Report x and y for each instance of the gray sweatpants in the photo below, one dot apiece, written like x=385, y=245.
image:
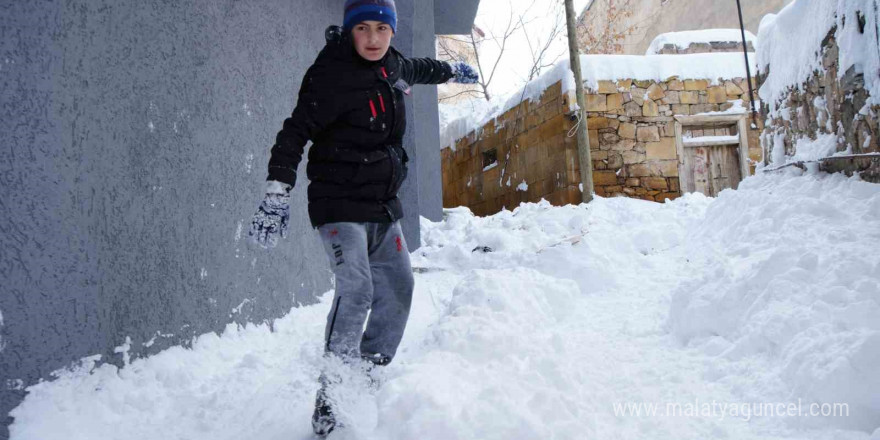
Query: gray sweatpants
x=371, y=265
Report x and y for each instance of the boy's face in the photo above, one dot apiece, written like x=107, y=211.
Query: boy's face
x=371, y=39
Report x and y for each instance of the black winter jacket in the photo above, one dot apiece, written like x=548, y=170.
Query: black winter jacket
x=353, y=111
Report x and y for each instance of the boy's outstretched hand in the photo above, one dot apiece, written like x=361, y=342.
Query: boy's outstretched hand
x=273, y=216
x=464, y=73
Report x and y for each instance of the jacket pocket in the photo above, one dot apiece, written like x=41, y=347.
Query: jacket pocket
x=348, y=165
x=399, y=169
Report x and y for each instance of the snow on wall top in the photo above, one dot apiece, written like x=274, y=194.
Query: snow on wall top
x=791, y=42
x=458, y=121
x=683, y=40
x=711, y=66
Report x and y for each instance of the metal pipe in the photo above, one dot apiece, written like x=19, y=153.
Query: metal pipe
x=800, y=163
x=742, y=28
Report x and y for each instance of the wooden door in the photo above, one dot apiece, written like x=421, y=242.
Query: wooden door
x=697, y=167
x=724, y=168
x=712, y=151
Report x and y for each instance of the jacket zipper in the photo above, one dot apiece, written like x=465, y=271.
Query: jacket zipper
x=393, y=99
x=391, y=154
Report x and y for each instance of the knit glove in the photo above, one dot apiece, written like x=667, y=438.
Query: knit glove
x=273, y=215
x=463, y=73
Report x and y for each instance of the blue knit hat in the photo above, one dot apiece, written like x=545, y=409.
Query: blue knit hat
x=357, y=11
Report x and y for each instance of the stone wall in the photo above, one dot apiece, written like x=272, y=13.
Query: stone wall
x=530, y=144
x=633, y=126
x=632, y=139
x=710, y=47
x=827, y=104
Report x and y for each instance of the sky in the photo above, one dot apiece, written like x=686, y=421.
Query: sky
x=516, y=61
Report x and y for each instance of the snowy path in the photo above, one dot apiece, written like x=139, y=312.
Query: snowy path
x=575, y=310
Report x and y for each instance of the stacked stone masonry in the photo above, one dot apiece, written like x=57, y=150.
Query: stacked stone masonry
x=826, y=104
x=631, y=127
x=710, y=47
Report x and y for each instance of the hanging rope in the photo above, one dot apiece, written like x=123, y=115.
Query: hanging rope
x=574, y=130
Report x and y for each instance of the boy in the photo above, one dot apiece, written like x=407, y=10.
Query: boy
x=351, y=106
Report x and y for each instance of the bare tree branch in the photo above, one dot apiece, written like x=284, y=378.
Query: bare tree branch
x=519, y=24
x=472, y=92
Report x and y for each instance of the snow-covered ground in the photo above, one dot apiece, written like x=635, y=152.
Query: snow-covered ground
x=765, y=295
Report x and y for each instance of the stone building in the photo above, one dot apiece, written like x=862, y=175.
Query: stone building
x=677, y=124
x=646, y=18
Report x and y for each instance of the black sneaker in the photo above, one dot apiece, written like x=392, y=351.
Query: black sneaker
x=373, y=361
x=376, y=359
x=323, y=419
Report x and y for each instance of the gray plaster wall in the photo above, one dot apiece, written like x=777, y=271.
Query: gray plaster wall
x=427, y=127
x=422, y=192
x=134, y=138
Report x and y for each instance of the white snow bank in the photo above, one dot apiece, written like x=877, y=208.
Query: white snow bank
x=485, y=368
x=684, y=39
x=205, y=392
x=793, y=277
x=565, y=318
x=457, y=121
x=806, y=149
x=792, y=39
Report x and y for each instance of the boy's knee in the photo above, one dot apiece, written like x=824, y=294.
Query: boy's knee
x=358, y=292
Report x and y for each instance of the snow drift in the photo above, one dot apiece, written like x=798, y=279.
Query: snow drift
x=788, y=277
x=764, y=294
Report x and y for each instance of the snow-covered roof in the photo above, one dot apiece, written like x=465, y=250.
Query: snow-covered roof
x=683, y=40
x=792, y=39
x=458, y=121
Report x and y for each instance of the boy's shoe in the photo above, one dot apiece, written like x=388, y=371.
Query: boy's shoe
x=323, y=419
x=376, y=359
x=373, y=361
